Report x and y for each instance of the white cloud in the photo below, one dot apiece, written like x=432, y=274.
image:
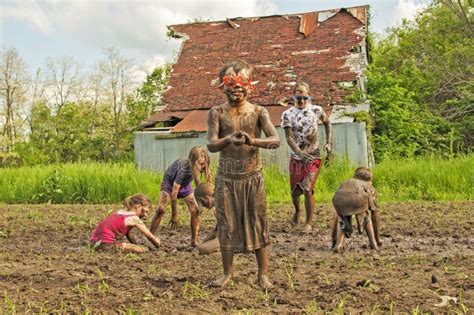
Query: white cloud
x=138, y=26
x=406, y=9
x=139, y=73
x=30, y=12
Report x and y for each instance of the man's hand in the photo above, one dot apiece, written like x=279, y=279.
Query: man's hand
x=328, y=148
x=248, y=139
x=237, y=138
x=305, y=156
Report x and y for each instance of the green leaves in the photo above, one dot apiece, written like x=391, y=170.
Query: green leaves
x=420, y=86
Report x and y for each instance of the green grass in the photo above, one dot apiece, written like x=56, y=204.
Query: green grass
x=96, y=183
x=428, y=178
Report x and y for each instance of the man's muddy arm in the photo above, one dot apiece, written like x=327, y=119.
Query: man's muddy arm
x=328, y=129
x=217, y=145
x=290, y=139
x=271, y=141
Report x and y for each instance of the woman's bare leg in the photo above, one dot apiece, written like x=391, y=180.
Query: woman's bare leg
x=195, y=220
x=160, y=211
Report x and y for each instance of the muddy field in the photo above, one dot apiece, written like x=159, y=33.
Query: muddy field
x=428, y=252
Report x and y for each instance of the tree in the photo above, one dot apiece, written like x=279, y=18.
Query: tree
x=36, y=96
x=64, y=79
x=13, y=88
x=150, y=95
x=118, y=85
x=421, y=84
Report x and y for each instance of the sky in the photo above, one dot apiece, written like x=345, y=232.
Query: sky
x=82, y=29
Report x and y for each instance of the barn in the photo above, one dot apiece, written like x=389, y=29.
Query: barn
x=326, y=49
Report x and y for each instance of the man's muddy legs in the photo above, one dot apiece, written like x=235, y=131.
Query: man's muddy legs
x=295, y=198
x=262, y=260
x=309, y=207
x=195, y=220
x=227, y=262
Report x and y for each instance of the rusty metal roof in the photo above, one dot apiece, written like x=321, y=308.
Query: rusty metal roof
x=358, y=12
x=275, y=113
x=309, y=22
x=279, y=53
x=164, y=116
x=196, y=120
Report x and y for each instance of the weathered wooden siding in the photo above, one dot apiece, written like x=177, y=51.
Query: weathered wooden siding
x=157, y=154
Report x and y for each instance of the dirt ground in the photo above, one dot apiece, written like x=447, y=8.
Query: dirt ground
x=428, y=252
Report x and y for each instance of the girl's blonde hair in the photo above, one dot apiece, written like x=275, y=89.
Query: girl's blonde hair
x=137, y=199
x=194, y=156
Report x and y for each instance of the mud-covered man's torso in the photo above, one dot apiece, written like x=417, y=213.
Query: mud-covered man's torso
x=242, y=158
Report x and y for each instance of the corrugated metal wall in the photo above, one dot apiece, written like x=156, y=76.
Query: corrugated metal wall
x=157, y=154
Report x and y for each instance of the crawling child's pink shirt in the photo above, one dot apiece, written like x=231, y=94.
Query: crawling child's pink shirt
x=114, y=227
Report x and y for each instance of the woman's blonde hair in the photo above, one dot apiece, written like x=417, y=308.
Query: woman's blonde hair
x=194, y=155
x=137, y=199
x=303, y=84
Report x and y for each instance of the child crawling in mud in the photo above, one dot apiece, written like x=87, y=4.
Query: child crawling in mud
x=356, y=197
x=177, y=184
x=109, y=232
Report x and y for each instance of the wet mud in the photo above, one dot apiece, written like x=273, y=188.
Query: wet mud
x=427, y=255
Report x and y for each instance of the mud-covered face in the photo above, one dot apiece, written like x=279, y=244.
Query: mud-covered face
x=208, y=202
x=301, y=96
x=142, y=211
x=237, y=86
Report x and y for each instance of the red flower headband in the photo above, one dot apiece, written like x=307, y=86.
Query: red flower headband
x=230, y=80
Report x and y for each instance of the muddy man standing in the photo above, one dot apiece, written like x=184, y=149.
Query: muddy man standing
x=301, y=131
x=234, y=130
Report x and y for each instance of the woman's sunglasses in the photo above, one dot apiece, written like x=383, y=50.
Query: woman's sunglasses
x=300, y=97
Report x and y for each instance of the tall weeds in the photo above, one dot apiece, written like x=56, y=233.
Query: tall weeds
x=428, y=178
